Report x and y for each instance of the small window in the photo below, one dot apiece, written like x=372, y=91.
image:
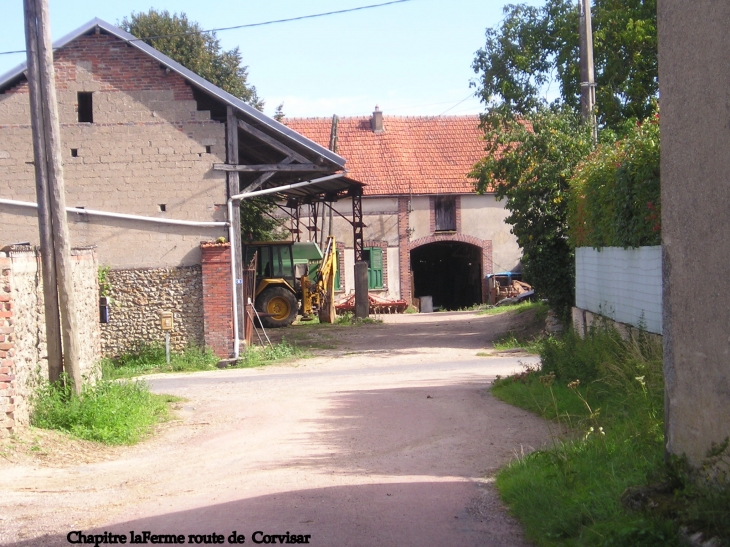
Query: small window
x=86, y=107
x=374, y=257
x=445, y=213
x=208, y=149
x=74, y=152
x=163, y=207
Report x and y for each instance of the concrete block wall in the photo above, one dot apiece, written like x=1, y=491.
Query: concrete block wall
x=622, y=284
x=23, y=353
x=139, y=296
x=217, y=298
x=148, y=149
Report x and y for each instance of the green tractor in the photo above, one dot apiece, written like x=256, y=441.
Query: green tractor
x=293, y=278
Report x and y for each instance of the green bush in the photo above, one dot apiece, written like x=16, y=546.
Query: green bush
x=614, y=198
x=107, y=412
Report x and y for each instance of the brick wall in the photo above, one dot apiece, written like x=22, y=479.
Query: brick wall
x=23, y=361
x=7, y=349
x=404, y=251
x=149, y=146
x=217, y=299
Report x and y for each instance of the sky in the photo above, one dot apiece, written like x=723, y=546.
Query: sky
x=411, y=58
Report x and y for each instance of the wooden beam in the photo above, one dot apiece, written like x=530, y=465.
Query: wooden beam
x=266, y=176
x=233, y=189
x=271, y=141
x=274, y=167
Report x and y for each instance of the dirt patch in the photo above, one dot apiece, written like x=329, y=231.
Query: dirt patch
x=462, y=332
x=43, y=448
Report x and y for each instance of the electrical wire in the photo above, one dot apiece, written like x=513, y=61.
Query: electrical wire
x=250, y=25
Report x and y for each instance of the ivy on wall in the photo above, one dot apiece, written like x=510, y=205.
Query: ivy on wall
x=614, y=196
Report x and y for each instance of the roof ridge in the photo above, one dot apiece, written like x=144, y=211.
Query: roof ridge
x=189, y=75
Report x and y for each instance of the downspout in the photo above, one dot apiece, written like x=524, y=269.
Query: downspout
x=248, y=195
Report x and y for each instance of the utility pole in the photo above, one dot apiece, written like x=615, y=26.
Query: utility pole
x=587, y=76
x=48, y=264
x=50, y=190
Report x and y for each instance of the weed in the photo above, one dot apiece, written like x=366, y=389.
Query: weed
x=150, y=359
x=511, y=341
x=256, y=356
x=105, y=286
x=107, y=412
x=411, y=309
x=348, y=318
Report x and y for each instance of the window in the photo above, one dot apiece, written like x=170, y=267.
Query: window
x=86, y=107
x=445, y=213
x=374, y=257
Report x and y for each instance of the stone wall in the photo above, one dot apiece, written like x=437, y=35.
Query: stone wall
x=137, y=297
x=23, y=352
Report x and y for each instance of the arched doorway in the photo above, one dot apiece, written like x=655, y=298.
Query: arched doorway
x=448, y=271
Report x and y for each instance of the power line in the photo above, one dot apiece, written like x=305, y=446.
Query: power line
x=250, y=25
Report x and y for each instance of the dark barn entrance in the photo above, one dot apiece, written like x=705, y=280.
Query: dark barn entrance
x=450, y=272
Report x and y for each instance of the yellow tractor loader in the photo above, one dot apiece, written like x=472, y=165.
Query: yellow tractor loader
x=291, y=278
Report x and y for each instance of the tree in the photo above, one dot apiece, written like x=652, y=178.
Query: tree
x=258, y=222
x=279, y=114
x=185, y=42
x=534, y=47
x=533, y=147
x=532, y=162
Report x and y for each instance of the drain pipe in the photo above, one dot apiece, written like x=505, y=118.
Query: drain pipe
x=234, y=279
x=94, y=212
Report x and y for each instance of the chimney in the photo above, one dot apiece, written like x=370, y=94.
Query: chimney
x=376, y=121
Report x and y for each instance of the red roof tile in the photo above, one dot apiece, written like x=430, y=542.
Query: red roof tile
x=419, y=155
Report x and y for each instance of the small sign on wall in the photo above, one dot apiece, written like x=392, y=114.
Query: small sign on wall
x=166, y=322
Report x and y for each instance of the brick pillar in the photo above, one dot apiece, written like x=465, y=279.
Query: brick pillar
x=7, y=350
x=404, y=253
x=217, y=299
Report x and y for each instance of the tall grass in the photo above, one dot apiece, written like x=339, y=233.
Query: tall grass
x=603, y=480
x=107, y=412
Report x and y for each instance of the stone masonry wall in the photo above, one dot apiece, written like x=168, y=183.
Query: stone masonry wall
x=136, y=299
x=149, y=152
x=23, y=352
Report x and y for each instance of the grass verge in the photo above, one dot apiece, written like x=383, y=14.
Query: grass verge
x=541, y=307
x=603, y=480
x=258, y=356
x=107, y=412
x=150, y=359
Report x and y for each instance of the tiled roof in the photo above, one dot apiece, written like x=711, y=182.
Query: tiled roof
x=419, y=155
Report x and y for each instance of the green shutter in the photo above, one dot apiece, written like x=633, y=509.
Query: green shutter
x=375, y=271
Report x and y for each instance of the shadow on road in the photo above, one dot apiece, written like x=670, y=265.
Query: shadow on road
x=395, y=514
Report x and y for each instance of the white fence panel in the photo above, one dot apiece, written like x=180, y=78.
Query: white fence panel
x=622, y=284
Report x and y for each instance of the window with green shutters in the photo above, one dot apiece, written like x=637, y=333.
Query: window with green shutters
x=374, y=257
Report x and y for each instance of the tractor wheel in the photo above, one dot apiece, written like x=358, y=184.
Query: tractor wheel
x=280, y=303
